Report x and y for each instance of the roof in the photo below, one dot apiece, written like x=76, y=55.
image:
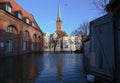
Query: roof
x=17, y=7
x=59, y=15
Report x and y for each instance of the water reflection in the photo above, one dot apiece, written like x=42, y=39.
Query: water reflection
x=42, y=68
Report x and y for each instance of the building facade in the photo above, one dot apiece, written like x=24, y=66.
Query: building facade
x=72, y=43
x=19, y=32
x=103, y=49
x=114, y=8
x=46, y=40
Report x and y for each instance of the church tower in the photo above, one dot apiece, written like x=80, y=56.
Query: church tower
x=58, y=22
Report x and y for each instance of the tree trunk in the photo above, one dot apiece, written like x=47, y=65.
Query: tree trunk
x=55, y=47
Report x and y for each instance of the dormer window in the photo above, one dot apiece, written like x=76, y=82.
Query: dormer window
x=19, y=14
x=33, y=24
x=27, y=20
x=8, y=7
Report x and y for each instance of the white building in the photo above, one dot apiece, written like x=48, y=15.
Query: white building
x=71, y=43
x=46, y=40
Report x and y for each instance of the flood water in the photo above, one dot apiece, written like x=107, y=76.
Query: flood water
x=43, y=68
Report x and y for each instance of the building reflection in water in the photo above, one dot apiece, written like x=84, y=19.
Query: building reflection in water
x=42, y=68
x=60, y=67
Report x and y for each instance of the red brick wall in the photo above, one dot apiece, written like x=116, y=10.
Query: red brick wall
x=6, y=20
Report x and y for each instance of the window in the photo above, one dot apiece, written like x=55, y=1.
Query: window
x=33, y=24
x=34, y=37
x=10, y=29
x=1, y=44
x=27, y=20
x=26, y=35
x=32, y=46
x=24, y=45
x=19, y=15
x=40, y=38
x=9, y=46
x=8, y=7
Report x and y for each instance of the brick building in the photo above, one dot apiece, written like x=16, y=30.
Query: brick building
x=19, y=32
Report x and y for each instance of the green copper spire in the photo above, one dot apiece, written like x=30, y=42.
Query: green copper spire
x=59, y=15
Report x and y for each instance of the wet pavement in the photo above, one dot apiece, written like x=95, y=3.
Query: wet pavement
x=43, y=68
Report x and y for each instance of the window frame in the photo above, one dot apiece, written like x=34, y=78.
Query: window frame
x=10, y=29
x=9, y=46
x=1, y=44
x=19, y=15
x=27, y=20
x=24, y=45
x=8, y=7
x=33, y=23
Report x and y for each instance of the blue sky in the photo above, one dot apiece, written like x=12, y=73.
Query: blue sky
x=73, y=13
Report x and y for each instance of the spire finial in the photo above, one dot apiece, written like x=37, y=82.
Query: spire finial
x=59, y=14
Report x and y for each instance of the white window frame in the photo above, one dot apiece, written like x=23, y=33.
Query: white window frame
x=8, y=8
x=10, y=29
x=19, y=15
x=27, y=20
x=33, y=24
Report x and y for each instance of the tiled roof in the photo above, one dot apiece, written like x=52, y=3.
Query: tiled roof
x=17, y=7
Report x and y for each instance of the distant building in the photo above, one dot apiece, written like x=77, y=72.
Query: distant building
x=46, y=40
x=19, y=32
x=72, y=43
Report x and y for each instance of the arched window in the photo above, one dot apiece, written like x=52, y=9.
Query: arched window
x=9, y=46
x=35, y=37
x=39, y=38
x=26, y=35
x=11, y=29
x=34, y=44
x=26, y=38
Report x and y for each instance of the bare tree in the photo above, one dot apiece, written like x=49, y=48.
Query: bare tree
x=54, y=40
x=83, y=29
x=100, y=5
x=57, y=38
